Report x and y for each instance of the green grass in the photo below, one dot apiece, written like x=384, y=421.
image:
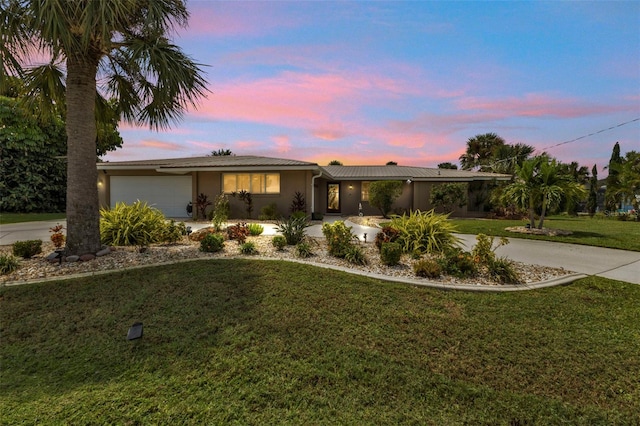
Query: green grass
x=595, y=231
x=7, y=218
x=260, y=342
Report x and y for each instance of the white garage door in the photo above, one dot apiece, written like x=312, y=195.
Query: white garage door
x=169, y=194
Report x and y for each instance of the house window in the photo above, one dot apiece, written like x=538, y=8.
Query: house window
x=364, y=191
x=255, y=183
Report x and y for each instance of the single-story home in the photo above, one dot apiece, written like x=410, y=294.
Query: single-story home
x=171, y=184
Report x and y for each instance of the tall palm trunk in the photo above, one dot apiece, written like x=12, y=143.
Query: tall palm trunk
x=83, y=216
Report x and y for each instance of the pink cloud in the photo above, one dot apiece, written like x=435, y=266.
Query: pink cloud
x=223, y=19
x=283, y=143
x=536, y=105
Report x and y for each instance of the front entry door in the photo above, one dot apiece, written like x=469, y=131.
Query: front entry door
x=333, y=198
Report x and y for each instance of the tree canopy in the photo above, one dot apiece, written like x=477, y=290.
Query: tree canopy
x=539, y=183
x=122, y=44
x=383, y=193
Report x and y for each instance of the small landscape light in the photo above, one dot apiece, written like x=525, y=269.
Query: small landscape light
x=135, y=331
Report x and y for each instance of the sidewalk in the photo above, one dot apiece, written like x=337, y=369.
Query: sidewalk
x=608, y=263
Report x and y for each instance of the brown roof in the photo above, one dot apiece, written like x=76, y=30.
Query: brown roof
x=214, y=162
x=250, y=162
x=406, y=172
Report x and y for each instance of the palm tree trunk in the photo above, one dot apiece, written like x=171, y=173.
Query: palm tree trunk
x=543, y=212
x=532, y=214
x=83, y=215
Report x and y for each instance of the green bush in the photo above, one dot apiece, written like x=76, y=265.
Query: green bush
x=220, y=212
x=304, y=250
x=279, y=242
x=8, y=264
x=355, y=255
x=136, y=224
x=339, y=238
x=383, y=193
x=248, y=248
x=255, y=229
x=293, y=229
x=424, y=232
x=27, y=249
x=484, y=252
x=269, y=212
x=502, y=270
x=457, y=262
x=427, y=268
x=212, y=243
x=173, y=231
x=390, y=253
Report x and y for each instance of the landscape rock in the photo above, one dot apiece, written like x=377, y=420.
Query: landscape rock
x=87, y=257
x=72, y=259
x=103, y=252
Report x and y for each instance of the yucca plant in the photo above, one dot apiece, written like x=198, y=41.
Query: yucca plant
x=135, y=224
x=424, y=232
x=8, y=264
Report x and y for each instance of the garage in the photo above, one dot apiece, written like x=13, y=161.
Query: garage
x=169, y=194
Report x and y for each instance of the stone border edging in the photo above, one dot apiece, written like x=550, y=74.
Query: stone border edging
x=564, y=280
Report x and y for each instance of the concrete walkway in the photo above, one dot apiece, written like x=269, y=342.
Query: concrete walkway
x=609, y=263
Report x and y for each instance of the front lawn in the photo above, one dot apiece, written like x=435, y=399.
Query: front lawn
x=597, y=231
x=270, y=342
x=7, y=218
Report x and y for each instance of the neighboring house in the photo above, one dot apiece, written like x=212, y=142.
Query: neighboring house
x=171, y=184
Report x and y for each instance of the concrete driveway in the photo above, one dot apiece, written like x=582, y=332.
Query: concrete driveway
x=609, y=263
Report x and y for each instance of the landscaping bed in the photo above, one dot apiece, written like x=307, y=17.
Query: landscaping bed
x=38, y=268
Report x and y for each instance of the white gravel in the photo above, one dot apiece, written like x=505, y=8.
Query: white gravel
x=38, y=268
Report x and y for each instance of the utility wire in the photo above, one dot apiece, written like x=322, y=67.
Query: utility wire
x=496, y=162
x=592, y=134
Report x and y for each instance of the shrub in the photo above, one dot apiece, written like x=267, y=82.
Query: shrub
x=279, y=242
x=220, y=212
x=247, y=199
x=57, y=237
x=269, y=212
x=202, y=202
x=200, y=234
x=383, y=193
x=502, y=270
x=255, y=229
x=298, y=204
x=27, y=249
x=427, y=268
x=238, y=232
x=390, y=253
x=298, y=214
x=304, y=250
x=136, y=224
x=293, y=229
x=457, y=262
x=424, y=232
x=339, y=238
x=212, y=243
x=173, y=231
x=8, y=264
x=484, y=252
x=248, y=248
x=355, y=255
x=387, y=234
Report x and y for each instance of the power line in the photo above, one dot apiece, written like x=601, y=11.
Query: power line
x=592, y=134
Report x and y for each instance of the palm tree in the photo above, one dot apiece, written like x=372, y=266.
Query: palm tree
x=480, y=151
x=124, y=45
x=507, y=157
x=628, y=179
x=539, y=184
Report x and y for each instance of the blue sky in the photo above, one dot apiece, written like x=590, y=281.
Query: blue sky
x=371, y=82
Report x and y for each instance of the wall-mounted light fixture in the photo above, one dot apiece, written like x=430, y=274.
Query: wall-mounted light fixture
x=408, y=180
x=350, y=186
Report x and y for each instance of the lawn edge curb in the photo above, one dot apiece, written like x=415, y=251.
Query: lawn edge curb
x=564, y=280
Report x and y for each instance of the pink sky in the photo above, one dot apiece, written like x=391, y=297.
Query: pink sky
x=367, y=83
